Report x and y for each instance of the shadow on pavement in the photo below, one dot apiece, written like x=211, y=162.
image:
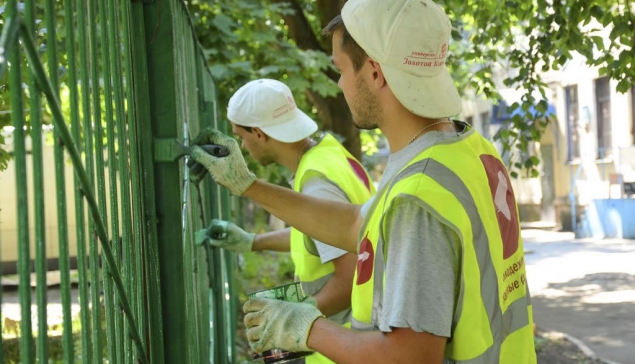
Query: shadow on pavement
x=598, y=309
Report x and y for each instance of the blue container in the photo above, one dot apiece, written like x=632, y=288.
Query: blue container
x=613, y=218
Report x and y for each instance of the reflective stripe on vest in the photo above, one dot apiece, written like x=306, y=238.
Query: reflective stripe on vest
x=517, y=316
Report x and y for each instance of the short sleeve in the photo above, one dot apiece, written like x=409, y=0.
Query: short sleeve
x=422, y=270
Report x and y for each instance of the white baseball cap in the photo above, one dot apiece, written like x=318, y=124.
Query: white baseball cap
x=269, y=105
x=409, y=39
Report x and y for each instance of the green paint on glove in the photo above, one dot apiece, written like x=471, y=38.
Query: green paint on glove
x=230, y=171
x=226, y=235
x=310, y=300
x=200, y=237
x=273, y=324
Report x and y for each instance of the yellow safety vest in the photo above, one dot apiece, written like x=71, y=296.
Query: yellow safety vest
x=465, y=184
x=332, y=161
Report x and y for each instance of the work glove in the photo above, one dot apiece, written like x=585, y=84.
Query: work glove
x=273, y=324
x=226, y=235
x=310, y=300
x=230, y=171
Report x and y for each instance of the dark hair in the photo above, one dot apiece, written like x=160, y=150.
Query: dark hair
x=248, y=128
x=357, y=55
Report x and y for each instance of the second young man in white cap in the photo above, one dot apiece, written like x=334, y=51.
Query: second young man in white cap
x=273, y=129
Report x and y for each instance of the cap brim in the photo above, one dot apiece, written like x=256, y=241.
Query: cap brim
x=300, y=127
x=431, y=97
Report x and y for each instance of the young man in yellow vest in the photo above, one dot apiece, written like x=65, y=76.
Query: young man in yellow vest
x=264, y=116
x=440, y=273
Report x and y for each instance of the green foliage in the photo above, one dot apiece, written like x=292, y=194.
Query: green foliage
x=533, y=37
x=245, y=40
x=261, y=270
x=5, y=92
x=249, y=39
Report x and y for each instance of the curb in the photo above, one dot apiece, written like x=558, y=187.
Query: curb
x=584, y=348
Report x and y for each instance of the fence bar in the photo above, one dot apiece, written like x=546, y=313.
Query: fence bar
x=137, y=215
x=100, y=230
x=38, y=195
x=64, y=254
x=95, y=284
x=128, y=258
x=122, y=166
x=184, y=81
x=7, y=39
x=150, y=318
x=112, y=174
x=86, y=123
x=24, y=257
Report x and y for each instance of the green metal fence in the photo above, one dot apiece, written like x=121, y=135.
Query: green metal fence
x=122, y=81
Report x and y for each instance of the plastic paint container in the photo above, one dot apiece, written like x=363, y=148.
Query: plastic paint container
x=290, y=293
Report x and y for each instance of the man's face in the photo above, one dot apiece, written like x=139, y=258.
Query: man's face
x=254, y=144
x=363, y=103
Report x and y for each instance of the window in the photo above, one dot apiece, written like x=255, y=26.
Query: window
x=573, y=122
x=604, y=129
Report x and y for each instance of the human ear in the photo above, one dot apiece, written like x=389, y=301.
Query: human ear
x=260, y=134
x=377, y=74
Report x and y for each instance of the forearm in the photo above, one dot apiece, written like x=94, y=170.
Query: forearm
x=335, y=296
x=344, y=346
x=278, y=240
x=333, y=223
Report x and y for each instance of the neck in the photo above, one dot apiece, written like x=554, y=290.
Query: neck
x=290, y=154
x=403, y=126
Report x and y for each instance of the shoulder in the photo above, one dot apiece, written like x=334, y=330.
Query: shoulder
x=318, y=185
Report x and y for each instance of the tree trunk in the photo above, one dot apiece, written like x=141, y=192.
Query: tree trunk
x=336, y=117
x=333, y=111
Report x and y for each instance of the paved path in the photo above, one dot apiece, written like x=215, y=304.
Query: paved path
x=585, y=288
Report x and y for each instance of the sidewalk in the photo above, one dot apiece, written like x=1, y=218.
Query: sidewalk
x=585, y=288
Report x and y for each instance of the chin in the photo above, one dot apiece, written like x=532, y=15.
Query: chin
x=365, y=126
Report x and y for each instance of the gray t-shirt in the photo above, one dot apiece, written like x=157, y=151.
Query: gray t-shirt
x=320, y=187
x=423, y=257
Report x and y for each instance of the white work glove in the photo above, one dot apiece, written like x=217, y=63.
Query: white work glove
x=226, y=235
x=273, y=324
x=230, y=171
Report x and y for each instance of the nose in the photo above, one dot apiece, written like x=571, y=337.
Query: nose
x=339, y=82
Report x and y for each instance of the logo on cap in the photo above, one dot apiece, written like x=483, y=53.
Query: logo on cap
x=427, y=59
x=284, y=109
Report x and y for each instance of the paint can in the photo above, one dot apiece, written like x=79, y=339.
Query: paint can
x=291, y=292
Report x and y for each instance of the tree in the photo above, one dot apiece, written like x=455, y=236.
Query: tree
x=248, y=39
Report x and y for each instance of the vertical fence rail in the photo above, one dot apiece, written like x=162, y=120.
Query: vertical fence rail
x=124, y=240
x=38, y=193
x=86, y=142
x=98, y=134
x=122, y=81
x=63, y=243
x=24, y=255
x=109, y=298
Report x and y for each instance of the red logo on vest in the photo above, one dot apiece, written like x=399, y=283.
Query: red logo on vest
x=365, y=261
x=504, y=202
